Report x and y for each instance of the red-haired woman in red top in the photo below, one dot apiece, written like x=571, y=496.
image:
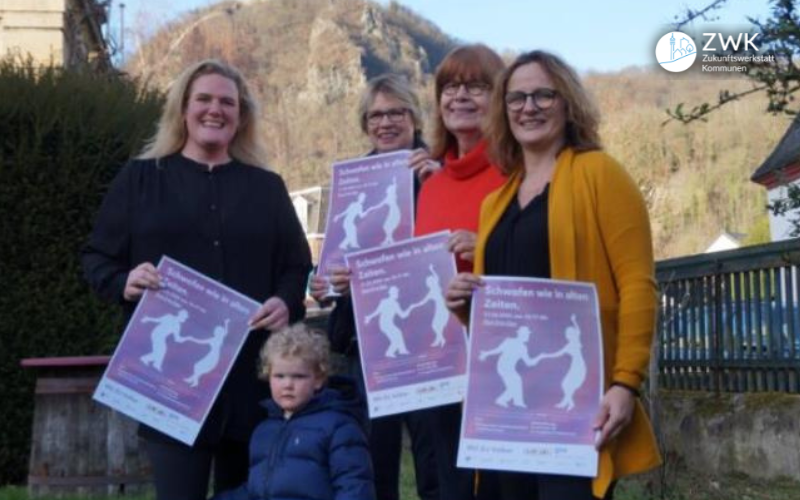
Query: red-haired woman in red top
x=450, y=199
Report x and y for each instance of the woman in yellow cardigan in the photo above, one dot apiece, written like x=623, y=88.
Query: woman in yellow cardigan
x=569, y=211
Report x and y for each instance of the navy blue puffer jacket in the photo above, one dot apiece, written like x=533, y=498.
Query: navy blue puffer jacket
x=319, y=453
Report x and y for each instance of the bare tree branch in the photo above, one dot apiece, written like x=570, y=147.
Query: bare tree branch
x=700, y=112
x=777, y=75
x=691, y=15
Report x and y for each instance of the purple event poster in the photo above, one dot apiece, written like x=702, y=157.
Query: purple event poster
x=535, y=377
x=371, y=205
x=413, y=351
x=176, y=352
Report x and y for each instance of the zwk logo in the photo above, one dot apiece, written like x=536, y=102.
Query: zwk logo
x=749, y=42
x=676, y=52
x=726, y=51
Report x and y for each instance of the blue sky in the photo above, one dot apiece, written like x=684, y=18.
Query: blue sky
x=591, y=35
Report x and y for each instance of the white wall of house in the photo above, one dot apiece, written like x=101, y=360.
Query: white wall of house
x=301, y=208
x=33, y=27
x=780, y=227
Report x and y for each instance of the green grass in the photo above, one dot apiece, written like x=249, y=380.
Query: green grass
x=408, y=488
x=21, y=493
x=682, y=485
x=13, y=493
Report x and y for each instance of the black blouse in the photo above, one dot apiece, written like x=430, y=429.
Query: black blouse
x=519, y=244
x=234, y=223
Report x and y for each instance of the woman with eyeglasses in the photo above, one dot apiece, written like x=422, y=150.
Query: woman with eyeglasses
x=569, y=211
x=390, y=117
x=450, y=200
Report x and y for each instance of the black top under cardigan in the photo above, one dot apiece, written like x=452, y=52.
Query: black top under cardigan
x=235, y=223
x=519, y=244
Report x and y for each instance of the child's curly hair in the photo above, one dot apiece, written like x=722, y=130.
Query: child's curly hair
x=297, y=341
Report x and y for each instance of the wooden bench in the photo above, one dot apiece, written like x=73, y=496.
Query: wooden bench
x=79, y=447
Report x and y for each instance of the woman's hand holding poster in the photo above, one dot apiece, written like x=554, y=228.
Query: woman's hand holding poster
x=535, y=377
x=176, y=352
x=413, y=351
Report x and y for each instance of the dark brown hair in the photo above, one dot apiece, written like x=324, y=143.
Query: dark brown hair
x=582, y=121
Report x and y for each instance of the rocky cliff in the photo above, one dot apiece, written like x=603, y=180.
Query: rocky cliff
x=308, y=63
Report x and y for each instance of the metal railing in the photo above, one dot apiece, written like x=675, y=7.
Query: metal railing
x=730, y=321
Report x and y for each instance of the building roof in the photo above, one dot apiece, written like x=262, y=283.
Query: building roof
x=786, y=155
x=726, y=241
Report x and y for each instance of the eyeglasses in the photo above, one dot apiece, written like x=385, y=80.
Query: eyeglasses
x=395, y=115
x=542, y=99
x=474, y=87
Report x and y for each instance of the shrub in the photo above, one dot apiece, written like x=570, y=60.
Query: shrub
x=63, y=136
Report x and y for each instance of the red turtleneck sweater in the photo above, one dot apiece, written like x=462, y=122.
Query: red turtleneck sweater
x=451, y=198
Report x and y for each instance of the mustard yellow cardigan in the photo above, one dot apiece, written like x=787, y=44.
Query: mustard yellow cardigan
x=600, y=232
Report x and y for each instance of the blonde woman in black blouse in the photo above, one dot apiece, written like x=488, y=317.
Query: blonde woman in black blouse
x=202, y=194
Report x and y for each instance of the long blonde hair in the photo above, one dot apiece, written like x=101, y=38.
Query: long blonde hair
x=247, y=145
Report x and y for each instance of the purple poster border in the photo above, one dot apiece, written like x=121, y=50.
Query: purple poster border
x=413, y=351
x=370, y=204
x=176, y=351
x=535, y=377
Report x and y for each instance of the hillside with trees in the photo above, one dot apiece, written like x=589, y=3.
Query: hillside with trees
x=309, y=61
x=695, y=177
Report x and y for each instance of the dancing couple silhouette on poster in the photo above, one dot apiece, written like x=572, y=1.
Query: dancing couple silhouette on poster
x=389, y=309
x=515, y=349
x=169, y=327
x=356, y=211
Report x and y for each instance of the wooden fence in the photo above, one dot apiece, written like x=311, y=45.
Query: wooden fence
x=730, y=321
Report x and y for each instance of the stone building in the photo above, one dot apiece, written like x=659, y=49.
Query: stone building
x=66, y=33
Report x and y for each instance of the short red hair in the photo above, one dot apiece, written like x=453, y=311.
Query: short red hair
x=475, y=62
